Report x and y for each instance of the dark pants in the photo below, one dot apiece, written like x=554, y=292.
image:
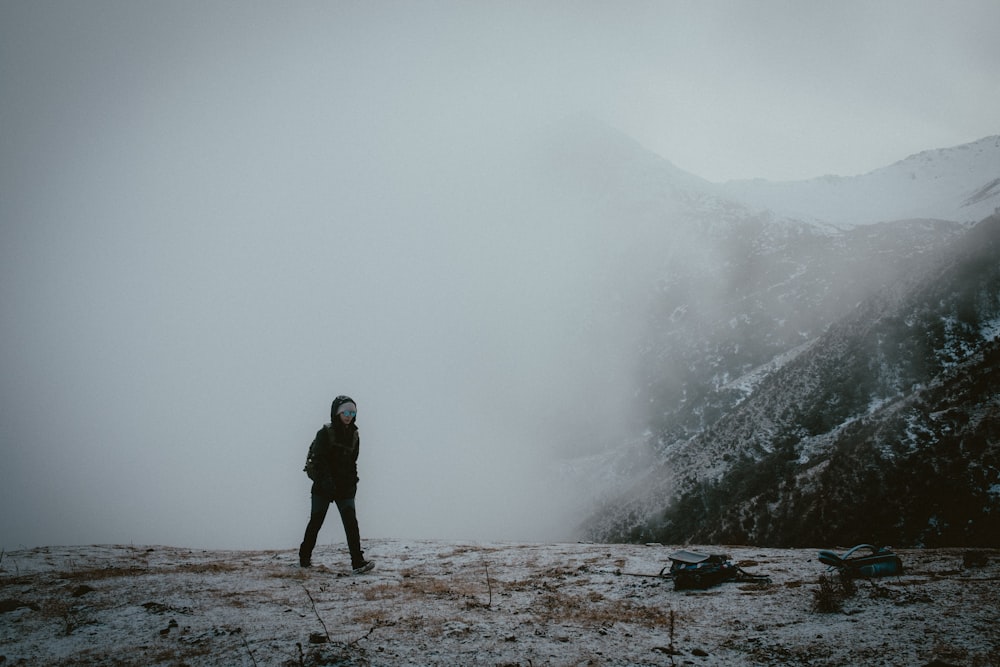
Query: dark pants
x=348, y=515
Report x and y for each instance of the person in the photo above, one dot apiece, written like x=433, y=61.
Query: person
x=332, y=465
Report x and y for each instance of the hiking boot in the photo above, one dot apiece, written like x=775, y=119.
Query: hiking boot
x=364, y=567
x=305, y=559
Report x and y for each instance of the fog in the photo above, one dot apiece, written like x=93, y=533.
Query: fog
x=216, y=217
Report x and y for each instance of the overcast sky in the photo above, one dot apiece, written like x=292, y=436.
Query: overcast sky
x=216, y=216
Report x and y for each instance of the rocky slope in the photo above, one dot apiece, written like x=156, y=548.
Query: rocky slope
x=796, y=369
x=883, y=428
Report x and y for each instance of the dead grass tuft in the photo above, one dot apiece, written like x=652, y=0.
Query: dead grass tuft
x=117, y=572
x=596, y=610
x=382, y=591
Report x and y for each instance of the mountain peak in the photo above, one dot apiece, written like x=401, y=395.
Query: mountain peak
x=585, y=141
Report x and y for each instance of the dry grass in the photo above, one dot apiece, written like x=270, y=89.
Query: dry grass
x=593, y=610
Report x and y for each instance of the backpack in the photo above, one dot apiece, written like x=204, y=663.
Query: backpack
x=881, y=562
x=311, y=468
x=692, y=570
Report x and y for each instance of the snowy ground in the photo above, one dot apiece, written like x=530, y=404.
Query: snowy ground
x=448, y=603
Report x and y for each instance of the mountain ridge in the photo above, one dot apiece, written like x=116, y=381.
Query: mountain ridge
x=958, y=183
x=752, y=411
x=899, y=351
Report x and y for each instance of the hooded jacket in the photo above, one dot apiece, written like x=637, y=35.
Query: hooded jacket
x=332, y=463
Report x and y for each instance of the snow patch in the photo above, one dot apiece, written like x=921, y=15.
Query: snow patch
x=990, y=329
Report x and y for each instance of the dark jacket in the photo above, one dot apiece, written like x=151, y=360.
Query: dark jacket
x=333, y=462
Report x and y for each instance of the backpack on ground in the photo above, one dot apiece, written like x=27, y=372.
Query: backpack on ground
x=880, y=562
x=693, y=570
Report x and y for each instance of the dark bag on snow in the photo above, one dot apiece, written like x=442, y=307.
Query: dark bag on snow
x=881, y=562
x=692, y=570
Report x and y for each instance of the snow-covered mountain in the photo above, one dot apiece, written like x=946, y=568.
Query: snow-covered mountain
x=884, y=428
x=961, y=183
x=787, y=330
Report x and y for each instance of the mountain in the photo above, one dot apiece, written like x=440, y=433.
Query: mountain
x=961, y=183
x=804, y=378
x=886, y=428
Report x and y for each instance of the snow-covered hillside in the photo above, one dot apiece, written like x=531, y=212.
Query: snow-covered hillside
x=960, y=184
x=729, y=280
x=635, y=187
x=904, y=381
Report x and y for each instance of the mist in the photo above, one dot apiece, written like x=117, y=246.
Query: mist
x=255, y=222
x=217, y=217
